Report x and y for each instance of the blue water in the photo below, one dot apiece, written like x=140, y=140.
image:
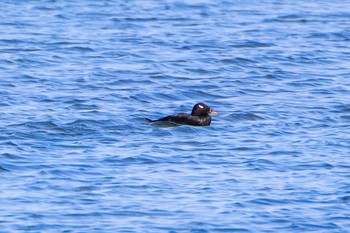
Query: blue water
x=78, y=77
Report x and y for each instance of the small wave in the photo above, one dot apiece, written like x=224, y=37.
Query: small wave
x=312, y=166
x=245, y=116
x=81, y=106
x=238, y=61
x=269, y=201
x=252, y=44
x=81, y=49
x=342, y=108
x=2, y=169
x=149, y=19
x=84, y=127
x=12, y=156
x=292, y=18
x=140, y=159
x=38, y=125
x=343, y=36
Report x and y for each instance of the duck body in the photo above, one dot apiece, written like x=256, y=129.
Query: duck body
x=198, y=117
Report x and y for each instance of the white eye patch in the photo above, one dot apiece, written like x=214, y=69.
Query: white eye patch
x=200, y=106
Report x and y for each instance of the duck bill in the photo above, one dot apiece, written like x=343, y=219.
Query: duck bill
x=212, y=111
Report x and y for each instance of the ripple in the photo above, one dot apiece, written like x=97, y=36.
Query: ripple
x=293, y=18
x=80, y=49
x=2, y=169
x=253, y=44
x=245, y=116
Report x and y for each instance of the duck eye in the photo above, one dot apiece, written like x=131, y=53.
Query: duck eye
x=200, y=106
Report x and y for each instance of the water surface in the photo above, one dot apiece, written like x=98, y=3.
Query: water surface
x=77, y=79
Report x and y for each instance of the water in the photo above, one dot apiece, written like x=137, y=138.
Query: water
x=78, y=77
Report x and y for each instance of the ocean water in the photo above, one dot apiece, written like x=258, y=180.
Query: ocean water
x=77, y=79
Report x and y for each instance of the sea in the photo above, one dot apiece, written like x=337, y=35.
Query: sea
x=79, y=77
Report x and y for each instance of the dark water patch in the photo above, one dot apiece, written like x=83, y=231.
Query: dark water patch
x=345, y=118
x=268, y=201
x=141, y=159
x=323, y=226
x=80, y=49
x=238, y=61
x=37, y=126
x=343, y=36
x=84, y=106
x=59, y=173
x=244, y=149
x=292, y=18
x=201, y=71
x=151, y=19
x=2, y=169
x=341, y=108
x=261, y=164
x=312, y=166
x=345, y=199
x=9, y=156
x=4, y=104
x=252, y=44
x=8, y=143
x=295, y=153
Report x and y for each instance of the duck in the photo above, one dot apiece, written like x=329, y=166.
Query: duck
x=198, y=117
